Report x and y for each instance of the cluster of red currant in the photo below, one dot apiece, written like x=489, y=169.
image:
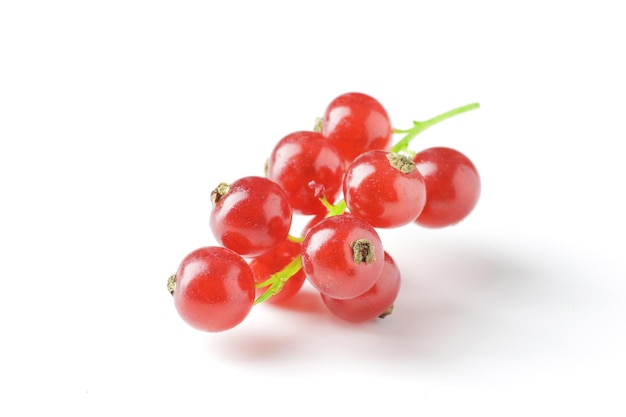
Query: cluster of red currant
x=345, y=175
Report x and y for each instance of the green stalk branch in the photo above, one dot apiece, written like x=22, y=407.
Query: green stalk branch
x=277, y=281
x=419, y=127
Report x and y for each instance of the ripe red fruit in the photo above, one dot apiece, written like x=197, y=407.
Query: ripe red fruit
x=251, y=216
x=452, y=186
x=302, y=157
x=375, y=302
x=384, y=188
x=214, y=289
x=356, y=123
x=342, y=256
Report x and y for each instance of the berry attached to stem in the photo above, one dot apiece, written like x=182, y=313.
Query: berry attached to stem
x=349, y=155
x=277, y=281
x=363, y=253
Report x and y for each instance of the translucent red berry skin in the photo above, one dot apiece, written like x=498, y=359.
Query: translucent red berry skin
x=328, y=258
x=253, y=217
x=374, y=302
x=382, y=194
x=312, y=222
x=268, y=264
x=356, y=123
x=452, y=186
x=302, y=157
x=214, y=289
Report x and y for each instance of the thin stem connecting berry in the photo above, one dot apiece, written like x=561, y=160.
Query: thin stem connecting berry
x=419, y=127
x=333, y=210
x=277, y=281
x=295, y=239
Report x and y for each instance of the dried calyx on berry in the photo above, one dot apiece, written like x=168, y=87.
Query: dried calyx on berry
x=401, y=162
x=219, y=192
x=363, y=251
x=346, y=174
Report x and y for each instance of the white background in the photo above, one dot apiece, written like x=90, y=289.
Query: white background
x=118, y=118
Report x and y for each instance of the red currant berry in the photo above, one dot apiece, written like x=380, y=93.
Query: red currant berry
x=251, y=216
x=213, y=289
x=384, y=188
x=298, y=159
x=342, y=256
x=264, y=266
x=356, y=123
x=312, y=222
x=452, y=186
x=376, y=302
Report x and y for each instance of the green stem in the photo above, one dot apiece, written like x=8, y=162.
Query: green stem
x=295, y=239
x=277, y=281
x=333, y=210
x=419, y=127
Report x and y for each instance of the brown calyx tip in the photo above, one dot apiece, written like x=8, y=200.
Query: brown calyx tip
x=386, y=312
x=318, y=126
x=401, y=162
x=171, y=284
x=363, y=251
x=219, y=192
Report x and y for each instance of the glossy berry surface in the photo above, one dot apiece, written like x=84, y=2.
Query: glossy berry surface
x=452, y=186
x=214, y=289
x=348, y=178
x=384, y=188
x=302, y=157
x=356, y=123
x=251, y=216
x=342, y=256
x=265, y=265
x=374, y=302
